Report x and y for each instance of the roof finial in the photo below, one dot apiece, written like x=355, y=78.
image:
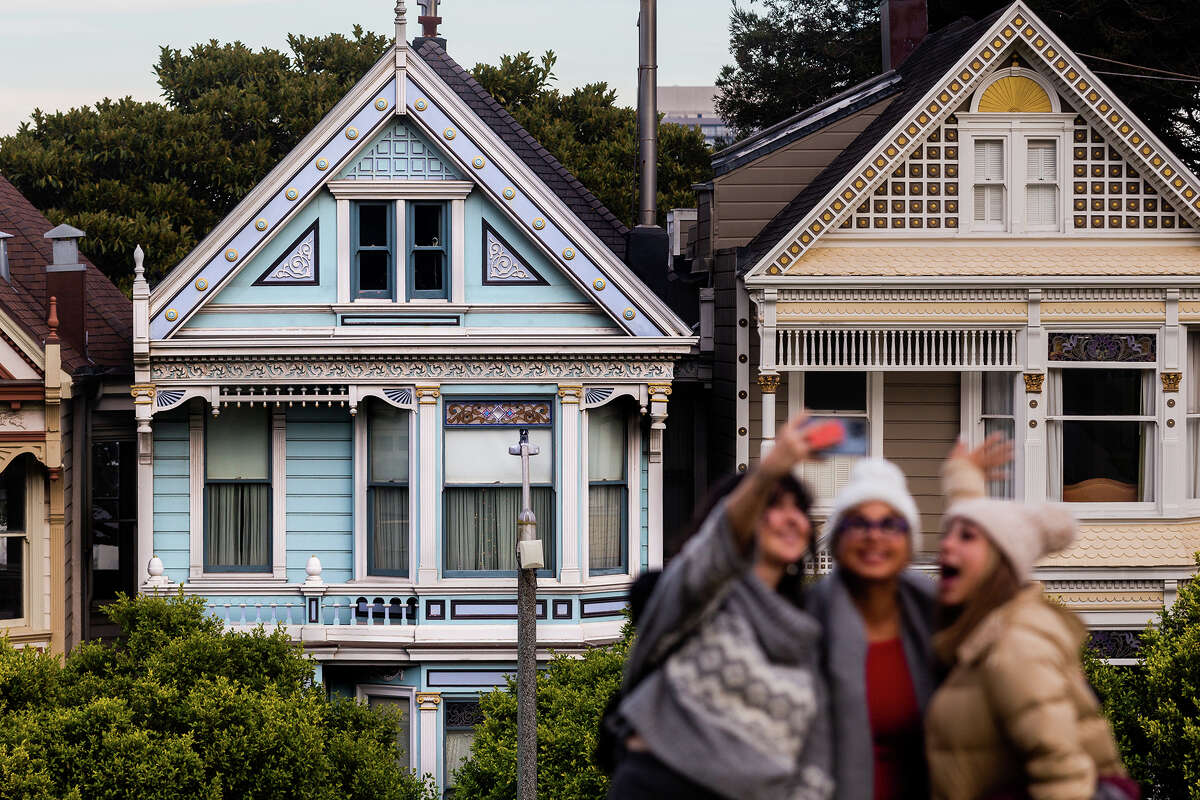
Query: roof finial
x=429, y=19
x=401, y=24
x=139, y=270
x=52, y=320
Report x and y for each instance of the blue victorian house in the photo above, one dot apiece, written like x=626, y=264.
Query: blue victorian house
x=327, y=387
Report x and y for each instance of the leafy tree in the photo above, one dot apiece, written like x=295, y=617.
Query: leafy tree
x=571, y=696
x=1154, y=707
x=180, y=709
x=798, y=52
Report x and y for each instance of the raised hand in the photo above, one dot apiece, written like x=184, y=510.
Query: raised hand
x=992, y=458
x=791, y=447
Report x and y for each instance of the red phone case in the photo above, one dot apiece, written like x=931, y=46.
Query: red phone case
x=825, y=434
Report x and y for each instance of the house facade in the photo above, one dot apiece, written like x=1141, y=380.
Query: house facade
x=67, y=495
x=984, y=239
x=327, y=388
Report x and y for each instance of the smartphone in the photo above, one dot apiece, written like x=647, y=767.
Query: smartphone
x=825, y=435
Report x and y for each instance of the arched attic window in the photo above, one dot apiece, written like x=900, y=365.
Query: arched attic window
x=1017, y=91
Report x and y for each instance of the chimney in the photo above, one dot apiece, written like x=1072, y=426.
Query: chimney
x=647, y=244
x=905, y=24
x=429, y=20
x=65, y=277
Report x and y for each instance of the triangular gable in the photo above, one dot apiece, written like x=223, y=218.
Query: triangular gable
x=1173, y=181
x=474, y=150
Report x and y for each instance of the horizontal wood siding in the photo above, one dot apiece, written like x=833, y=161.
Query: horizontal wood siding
x=920, y=425
x=747, y=198
x=172, y=505
x=320, y=492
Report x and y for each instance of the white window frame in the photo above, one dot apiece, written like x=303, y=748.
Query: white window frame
x=1055, y=181
x=1015, y=130
x=397, y=193
x=1101, y=511
x=633, y=512
x=973, y=429
x=873, y=415
x=34, y=538
x=278, y=455
x=361, y=468
x=364, y=691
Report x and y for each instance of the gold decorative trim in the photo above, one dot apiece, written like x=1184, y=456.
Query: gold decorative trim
x=599, y=284
x=146, y=390
x=381, y=104
x=171, y=315
x=1015, y=94
x=261, y=224
x=660, y=388
x=1170, y=381
x=351, y=133
x=1033, y=382
x=201, y=284
x=231, y=255
x=420, y=105
x=570, y=393
x=768, y=384
x=428, y=701
x=427, y=394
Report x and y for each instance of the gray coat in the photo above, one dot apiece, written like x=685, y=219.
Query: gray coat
x=739, y=705
x=845, y=663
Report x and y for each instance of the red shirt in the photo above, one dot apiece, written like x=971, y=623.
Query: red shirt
x=895, y=723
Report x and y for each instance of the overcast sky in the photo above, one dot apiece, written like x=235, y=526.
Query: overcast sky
x=55, y=54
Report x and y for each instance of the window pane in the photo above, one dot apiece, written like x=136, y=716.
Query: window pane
x=237, y=445
x=373, y=268
x=997, y=393
x=12, y=577
x=989, y=204
x=989, y=160
x=237, y=525
x=1002, y=487
x=1041, y=163
x=1041, y=205
x=481, y=526
x=606, y=443
x=427, y=225
x=372, y=225
x=389, y=530
x=1103, y=462
x=480, y=455
x=427, y=270
x=399, y=708
x=458, y=750
x=606, y=517
x=1102, y=392
x=835, y=391
x=12, y=497
x=388, y=445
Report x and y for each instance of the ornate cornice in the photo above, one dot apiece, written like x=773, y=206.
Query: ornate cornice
x=366, y=369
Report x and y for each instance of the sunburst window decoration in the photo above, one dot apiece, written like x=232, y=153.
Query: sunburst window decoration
x=1015, y=94
x=919, y=194
x=1108, y=193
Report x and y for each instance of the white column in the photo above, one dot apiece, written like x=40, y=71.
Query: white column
x=768, y=378
x=1172, y=410
x=427, y=483
x=143, y=408
x=278, y=493
x=569, y=399
x=659, y=393
x=1034, y=438
x=427, y=726
x=768, y=384
x=196, y=490
x=343, y=251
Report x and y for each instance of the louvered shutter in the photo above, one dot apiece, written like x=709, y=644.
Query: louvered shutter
x=989, y=181
x=1041, y=189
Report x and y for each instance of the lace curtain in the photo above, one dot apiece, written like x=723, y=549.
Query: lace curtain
x=481, y=525
x=238, y=526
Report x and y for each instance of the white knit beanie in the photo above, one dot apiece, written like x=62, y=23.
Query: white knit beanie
x=1022, y=533
x=872, y=479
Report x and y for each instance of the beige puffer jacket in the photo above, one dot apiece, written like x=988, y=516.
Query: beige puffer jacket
x=1016, y=710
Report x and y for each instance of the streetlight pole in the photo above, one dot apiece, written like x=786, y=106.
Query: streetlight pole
x=529, y=560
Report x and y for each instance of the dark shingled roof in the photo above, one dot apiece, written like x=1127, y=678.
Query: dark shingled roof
x=924, y=68
x=566, y=186
x=109, y=322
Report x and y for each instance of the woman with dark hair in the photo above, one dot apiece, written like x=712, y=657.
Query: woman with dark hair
x=1015, y=717
x=722, y=695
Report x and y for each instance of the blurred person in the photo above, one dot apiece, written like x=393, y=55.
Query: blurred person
x=1015, y=717
x=722, y=695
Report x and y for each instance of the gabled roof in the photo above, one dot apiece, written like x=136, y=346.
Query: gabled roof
x=946, y=70
x=918, y=74
x=109, y=323
x=590, y=211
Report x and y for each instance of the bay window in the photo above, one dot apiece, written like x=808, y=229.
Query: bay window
x=481, y=495
x=1102, y=418
x=237, y=491
x=608, y=489
x=12, y=541
x=387, y=490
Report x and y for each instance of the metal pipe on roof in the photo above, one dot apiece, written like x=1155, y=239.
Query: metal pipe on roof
x=647, y=113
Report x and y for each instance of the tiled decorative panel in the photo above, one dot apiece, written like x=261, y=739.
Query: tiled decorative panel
x=400, y=153
x=1104, y=347
x=922, y=193
x=489, y=412
x=1108, y=193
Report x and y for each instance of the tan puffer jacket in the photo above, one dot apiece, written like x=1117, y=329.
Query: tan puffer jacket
x=1016, y=710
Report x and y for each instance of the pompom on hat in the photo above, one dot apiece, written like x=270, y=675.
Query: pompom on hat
x=871, y=480
x=1022, y=533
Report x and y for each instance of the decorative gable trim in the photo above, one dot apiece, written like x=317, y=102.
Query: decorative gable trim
x=399, y=153
x=1074, y=80
x=502, y=265
x=300, y=263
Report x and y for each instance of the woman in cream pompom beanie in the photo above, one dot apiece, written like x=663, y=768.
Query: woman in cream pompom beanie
x=1015, y=716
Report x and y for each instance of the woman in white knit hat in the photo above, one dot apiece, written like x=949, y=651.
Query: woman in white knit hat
x=878, y=618
x=1015, y=717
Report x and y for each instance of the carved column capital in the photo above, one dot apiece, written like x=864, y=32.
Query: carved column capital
x=143, y=392
x=768, y=383
x=1170, y=381
x=663, y=389
x=1033, y=382
x=570, y=393
x=428, y=394
x=428, y=701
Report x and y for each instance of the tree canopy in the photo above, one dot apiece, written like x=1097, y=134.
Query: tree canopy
x=163, y=174
x=179, y=709
x=794, y=53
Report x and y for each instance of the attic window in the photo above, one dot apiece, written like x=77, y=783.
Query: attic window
x=4, y=272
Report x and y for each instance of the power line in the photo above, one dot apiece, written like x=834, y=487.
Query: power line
x=1141, y=67
x=1146, y=77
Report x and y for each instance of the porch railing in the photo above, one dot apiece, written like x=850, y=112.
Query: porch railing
x=897, y=349
x=345, y=611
